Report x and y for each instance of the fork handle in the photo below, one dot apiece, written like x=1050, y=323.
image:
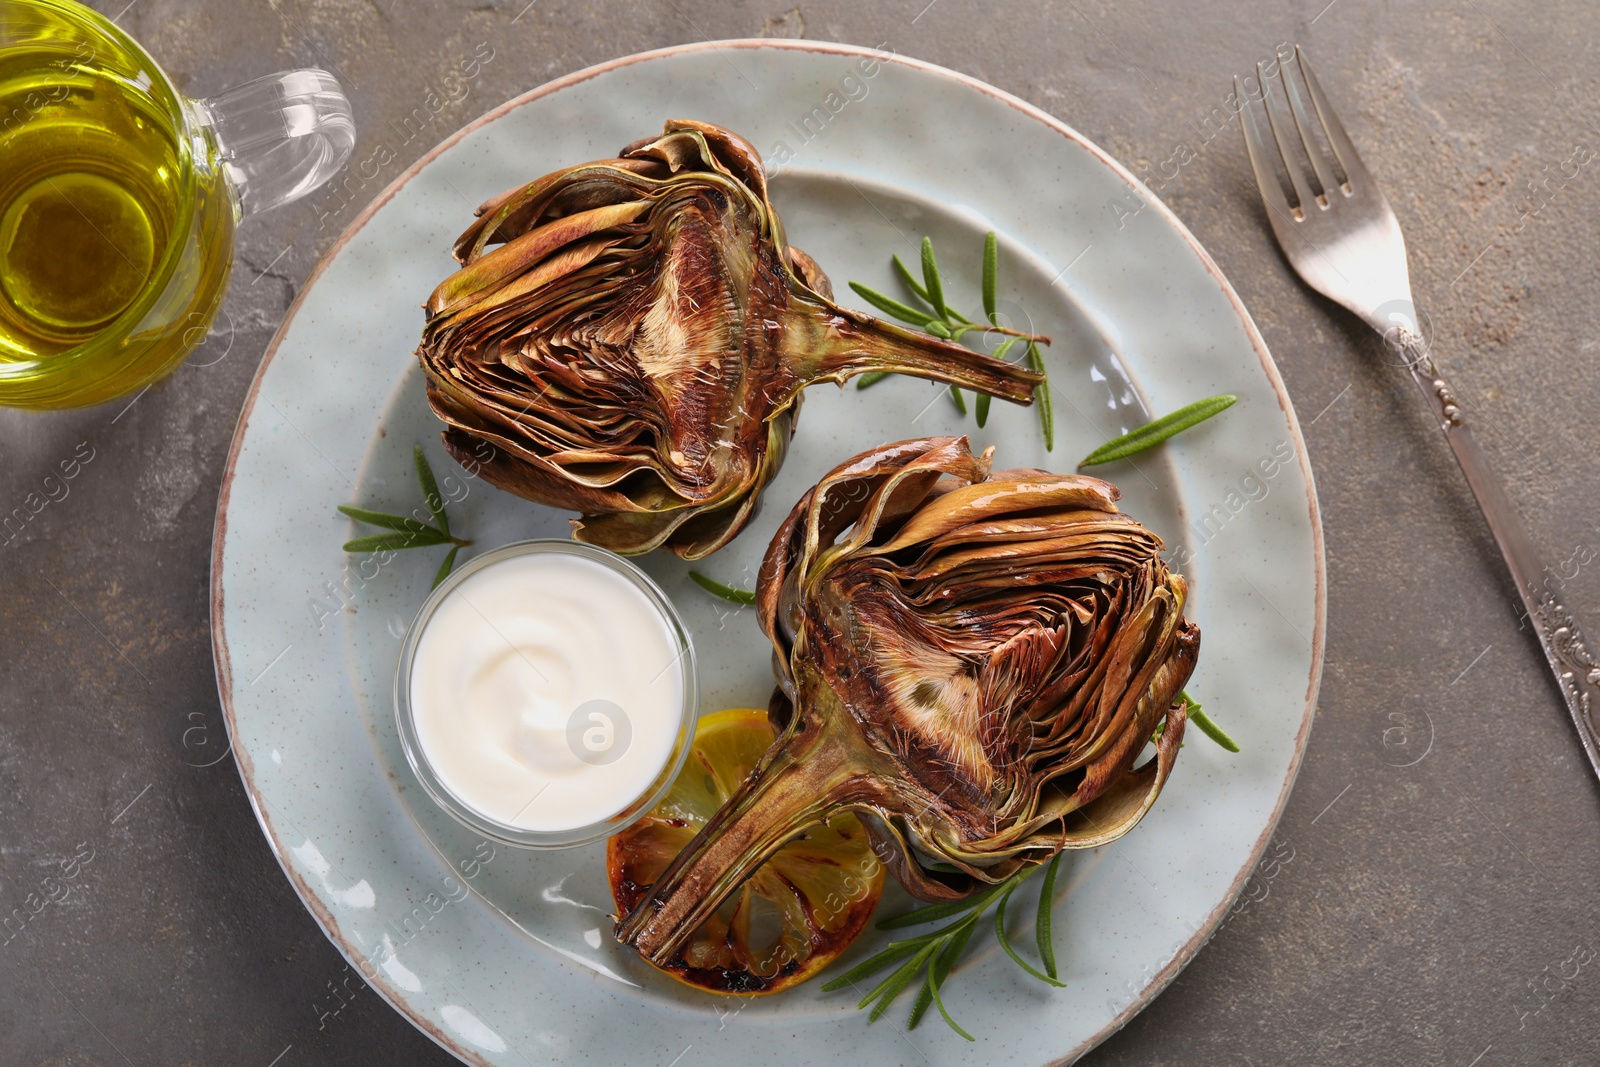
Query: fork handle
x=1576, y=668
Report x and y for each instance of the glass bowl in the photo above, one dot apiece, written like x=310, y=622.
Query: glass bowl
x=579, y=731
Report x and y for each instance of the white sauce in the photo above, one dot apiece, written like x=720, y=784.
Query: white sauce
x=502, y=680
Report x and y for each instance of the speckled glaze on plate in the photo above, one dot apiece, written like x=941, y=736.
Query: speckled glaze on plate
x=505, y=957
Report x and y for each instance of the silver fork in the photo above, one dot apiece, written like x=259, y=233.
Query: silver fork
x=1342, y=238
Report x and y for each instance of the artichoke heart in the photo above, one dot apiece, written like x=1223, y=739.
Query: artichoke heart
x=635, y=346
x=971, y=661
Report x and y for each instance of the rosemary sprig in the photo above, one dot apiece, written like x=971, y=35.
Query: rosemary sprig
x=726, y=592
x=410, y=531
x=934, y=954
x=1154, y=432
x=941, y=320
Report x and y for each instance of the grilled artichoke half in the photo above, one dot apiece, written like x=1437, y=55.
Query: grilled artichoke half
x=636, y=346
x=969, y=661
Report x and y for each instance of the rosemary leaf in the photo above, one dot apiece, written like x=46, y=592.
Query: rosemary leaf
x=1003, y=349
x=444, y=568
x=891, y=987
x=942, y=962
x=939, y=329
x=1041, y=397
x=1041, y=926
x=870, y=966
x=935, y=912
x=1005, y=942
x=1153, y=433
x=1198, y=716
x=430, y=490
x=891, y=306
x=726, y=592
x=938, y=1002
x=946, y=931
x=911, y=283
x=931, y=280
x=380, y=542
x=991, y=273
x=403, y=523
x=959, y=400
x=871, y=378
x=1000, y=352
x=909, y=279
x=919, y=1007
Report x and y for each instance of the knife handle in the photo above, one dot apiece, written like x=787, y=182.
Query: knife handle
x=1576, y=668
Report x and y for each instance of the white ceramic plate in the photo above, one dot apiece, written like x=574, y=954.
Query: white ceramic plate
x=506, y=957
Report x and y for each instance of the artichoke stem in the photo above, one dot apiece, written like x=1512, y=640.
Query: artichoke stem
x=798, y=785
x=858, y=345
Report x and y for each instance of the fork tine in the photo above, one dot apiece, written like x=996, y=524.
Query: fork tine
x=1343, y=150
x=1302, y=122
x=1266, y=178
x=1297, y=175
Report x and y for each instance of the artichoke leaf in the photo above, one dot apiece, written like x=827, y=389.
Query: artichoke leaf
x=519, y=254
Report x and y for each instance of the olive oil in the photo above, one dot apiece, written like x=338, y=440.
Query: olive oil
x=81, y=230
x=115, y=223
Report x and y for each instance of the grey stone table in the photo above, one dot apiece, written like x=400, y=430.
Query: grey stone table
x=1429, y=898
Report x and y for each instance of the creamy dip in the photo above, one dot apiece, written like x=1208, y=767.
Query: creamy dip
x=547, y=691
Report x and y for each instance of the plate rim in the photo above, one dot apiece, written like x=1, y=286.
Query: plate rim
x=219, y=640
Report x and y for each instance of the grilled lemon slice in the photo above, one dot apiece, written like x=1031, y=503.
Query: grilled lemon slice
x=794, y=916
